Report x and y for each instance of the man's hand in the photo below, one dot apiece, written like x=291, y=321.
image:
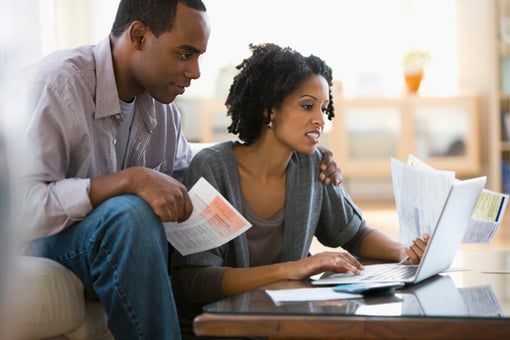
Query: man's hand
x=329, y=171
x=167, y=197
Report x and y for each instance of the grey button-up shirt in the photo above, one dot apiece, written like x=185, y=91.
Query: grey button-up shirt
x=74, y=121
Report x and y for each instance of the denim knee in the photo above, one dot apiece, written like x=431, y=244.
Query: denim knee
x=131, y=219
x=128, y=263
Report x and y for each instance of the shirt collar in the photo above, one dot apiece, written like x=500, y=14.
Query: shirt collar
x=107, y=96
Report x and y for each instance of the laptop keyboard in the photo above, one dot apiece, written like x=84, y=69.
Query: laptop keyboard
x=397, y=273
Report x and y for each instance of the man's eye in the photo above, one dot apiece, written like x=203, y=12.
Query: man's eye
x=185, y=56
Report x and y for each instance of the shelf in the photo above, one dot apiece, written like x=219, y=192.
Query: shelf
x=502, y=99
x=504, y=49
x=442, y=131
x=505, y=146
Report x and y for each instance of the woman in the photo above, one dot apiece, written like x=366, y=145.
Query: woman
x=278, y=104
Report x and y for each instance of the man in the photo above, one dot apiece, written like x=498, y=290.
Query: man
x=109, y=157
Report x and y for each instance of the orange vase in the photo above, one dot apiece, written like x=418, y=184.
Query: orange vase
x=413, y=81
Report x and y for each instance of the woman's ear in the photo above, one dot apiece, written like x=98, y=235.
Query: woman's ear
x=268, y=119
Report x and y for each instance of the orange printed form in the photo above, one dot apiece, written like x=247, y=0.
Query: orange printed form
x=214, y=222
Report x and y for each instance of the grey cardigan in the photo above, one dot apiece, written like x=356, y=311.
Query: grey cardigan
x=311, y=208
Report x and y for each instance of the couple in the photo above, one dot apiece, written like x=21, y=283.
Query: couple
x=111, y=156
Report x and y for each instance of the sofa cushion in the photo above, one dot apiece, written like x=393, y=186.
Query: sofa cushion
x=47, y=300
x=94, y=326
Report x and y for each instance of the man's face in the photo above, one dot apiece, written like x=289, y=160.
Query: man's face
x=165, y=65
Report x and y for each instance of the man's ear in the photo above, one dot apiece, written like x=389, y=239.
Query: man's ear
x=137, y=32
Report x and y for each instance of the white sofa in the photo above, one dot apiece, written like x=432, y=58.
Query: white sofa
x=40, y=298
x=45, y=300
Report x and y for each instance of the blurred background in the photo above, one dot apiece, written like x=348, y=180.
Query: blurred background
x=449, y=122
x=452, y=122
x=457, y=120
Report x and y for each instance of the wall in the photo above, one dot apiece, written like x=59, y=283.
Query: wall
x=476, y=64
x=86, y=21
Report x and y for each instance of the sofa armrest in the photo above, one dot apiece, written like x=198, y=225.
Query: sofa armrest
x=44, y=299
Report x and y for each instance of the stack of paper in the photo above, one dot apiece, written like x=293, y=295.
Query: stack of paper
x=420, y=192
x=309, y=294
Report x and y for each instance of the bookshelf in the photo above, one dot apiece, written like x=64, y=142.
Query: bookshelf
x=443, y=131
x=502, y=100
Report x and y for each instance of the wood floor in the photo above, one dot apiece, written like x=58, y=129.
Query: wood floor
x=382, y=215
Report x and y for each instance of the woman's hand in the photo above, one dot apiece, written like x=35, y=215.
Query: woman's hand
x=239, y=280
x=414, y=253
x=337, y=262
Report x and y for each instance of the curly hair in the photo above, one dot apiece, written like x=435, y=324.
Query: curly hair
x=265, y=79
x=158, y=15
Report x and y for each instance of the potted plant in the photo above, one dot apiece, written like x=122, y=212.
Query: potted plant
x=414, y=62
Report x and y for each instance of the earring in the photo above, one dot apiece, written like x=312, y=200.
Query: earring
x=269, y=121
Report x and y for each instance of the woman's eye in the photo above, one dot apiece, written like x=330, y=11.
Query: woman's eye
x=307, y=107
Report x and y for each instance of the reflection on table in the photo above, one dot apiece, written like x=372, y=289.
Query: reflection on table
x=469, y=300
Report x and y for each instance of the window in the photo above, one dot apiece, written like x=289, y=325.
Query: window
x=363, y=40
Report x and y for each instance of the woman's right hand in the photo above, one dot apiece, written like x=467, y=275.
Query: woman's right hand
x=337, y=262
x=242, y=279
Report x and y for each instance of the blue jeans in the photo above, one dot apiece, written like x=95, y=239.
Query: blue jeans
x=120, y=253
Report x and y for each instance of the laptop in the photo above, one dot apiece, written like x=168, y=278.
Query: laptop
x=422, y=298
x=419, y=300
x=441, y=249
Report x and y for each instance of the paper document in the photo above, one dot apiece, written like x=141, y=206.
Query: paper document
x=487, y=217
x=419, y=197
x=214, y=222
x=481, y=301
x=309, y=294
x=420, y=191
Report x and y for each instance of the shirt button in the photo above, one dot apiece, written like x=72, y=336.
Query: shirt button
x=115, y=141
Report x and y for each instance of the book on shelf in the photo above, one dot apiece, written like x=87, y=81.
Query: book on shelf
x=505, y=125
x=505, y=75
x=505, y=175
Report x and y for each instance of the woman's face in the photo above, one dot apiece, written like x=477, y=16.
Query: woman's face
x=299, y=122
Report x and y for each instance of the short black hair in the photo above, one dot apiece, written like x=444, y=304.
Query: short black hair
x=158, y=15
x=265, y=79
